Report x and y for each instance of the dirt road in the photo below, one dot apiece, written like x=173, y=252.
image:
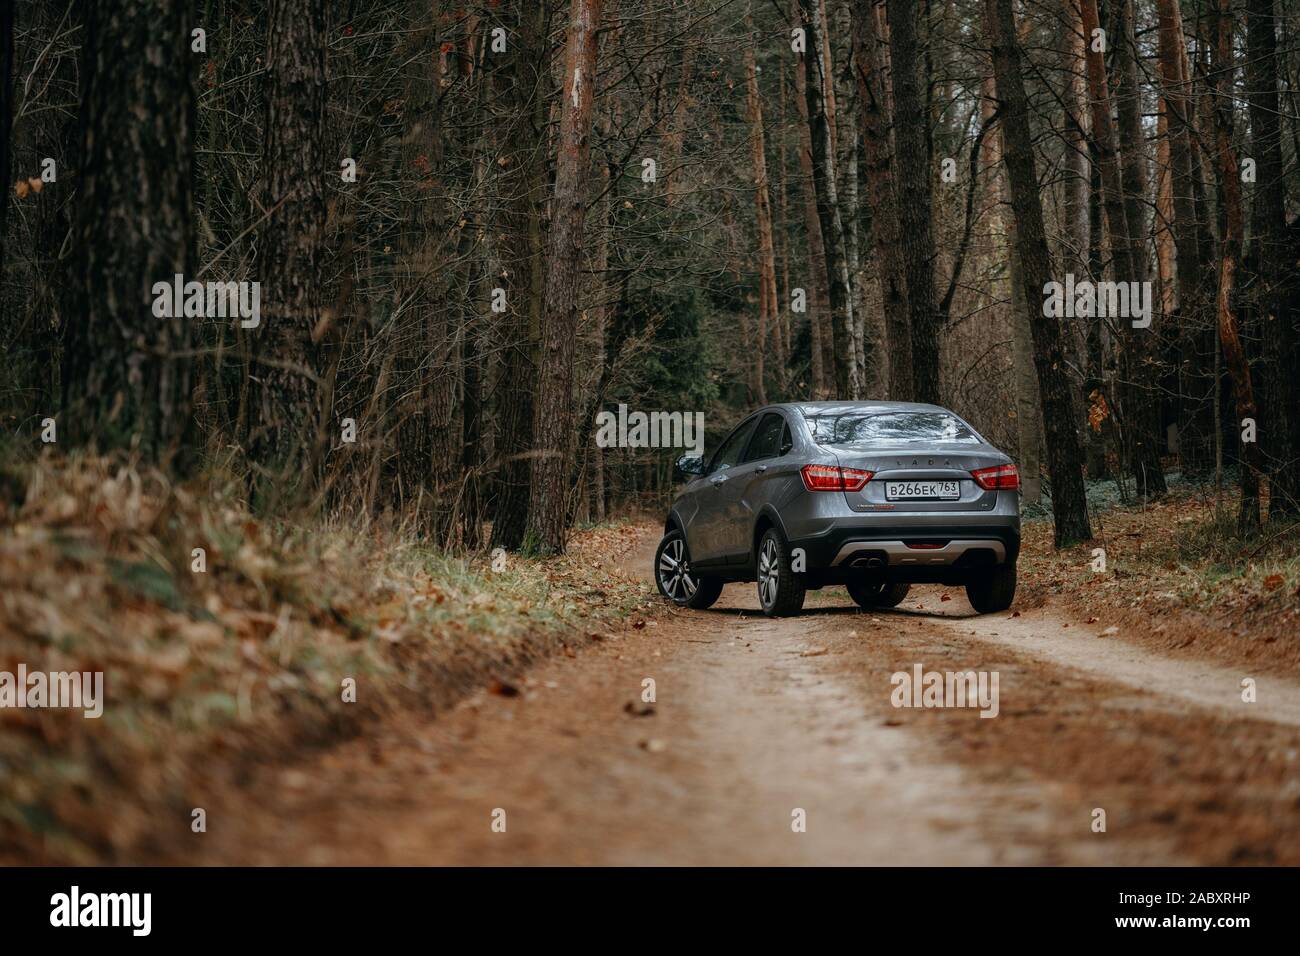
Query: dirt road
x=759, y=726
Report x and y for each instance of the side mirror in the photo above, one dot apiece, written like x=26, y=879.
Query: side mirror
x=689, y=466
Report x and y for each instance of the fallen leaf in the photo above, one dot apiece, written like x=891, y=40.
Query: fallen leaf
x=294, y=779
x=1273, y=582
x=502, y=689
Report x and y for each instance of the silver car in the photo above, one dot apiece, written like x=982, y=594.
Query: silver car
x=875, y=496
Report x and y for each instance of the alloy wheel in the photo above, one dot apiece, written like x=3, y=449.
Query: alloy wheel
x=769, y=570
x=675, y=572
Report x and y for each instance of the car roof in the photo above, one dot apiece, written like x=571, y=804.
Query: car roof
x=867, y=406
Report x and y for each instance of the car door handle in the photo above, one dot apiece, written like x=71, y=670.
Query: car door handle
x=717, y=480
x=760, y=468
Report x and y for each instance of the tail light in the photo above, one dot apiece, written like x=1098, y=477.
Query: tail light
x=997, y=478
x=834, y=478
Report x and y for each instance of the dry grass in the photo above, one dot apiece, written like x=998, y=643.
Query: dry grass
x=205, y=672
x=1179, y=575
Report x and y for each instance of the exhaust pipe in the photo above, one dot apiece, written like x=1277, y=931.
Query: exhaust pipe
x=872, y=563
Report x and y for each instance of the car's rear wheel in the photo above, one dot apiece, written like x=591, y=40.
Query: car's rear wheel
x=992, y=590
x=677, y=580
x=779, y=592
x=872, y=594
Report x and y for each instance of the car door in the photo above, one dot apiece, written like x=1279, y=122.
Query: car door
x=707, y=536
x=750, y=480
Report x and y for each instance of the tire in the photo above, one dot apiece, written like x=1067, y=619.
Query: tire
x=874, y=594
x=779, y=592
x=993, y=590
x=685, y=589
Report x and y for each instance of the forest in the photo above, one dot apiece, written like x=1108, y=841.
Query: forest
x=472, y=227
x=349, y=347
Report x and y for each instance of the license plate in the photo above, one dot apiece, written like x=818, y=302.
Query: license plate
x=912, y=490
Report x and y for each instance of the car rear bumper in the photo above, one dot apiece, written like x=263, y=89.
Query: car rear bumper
x=930, y=553
x=875, y=545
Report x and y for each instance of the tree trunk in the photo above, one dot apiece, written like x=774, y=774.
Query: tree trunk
x=783, y=344
x=603, y=288
x=818, y=299
x=1280, y=427
x=434, y=343
x=914, y=197
x=1085, y=336
x=6, y=130
x=126, y=372
x=838, y=281
x=474, y=348
x=844, y=140
x=1078, y=186
x=829, y=348
x=522, y=184
x=1234, y=353
x=673, y=138
x=1064, y=456
x=1166, y=247
x=1101, y=424
x=286, y=438
x=767, y=304
x=600, y=344
x=553, y=418
x=1191, y=247
x=1029, y=418
x=1129, y=136
x=873, y=110
x=868, y=324
x=1103, y=132
x=1127, y=254
x=1141, y=397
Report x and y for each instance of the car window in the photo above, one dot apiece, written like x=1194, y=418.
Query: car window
x=787, y=440
x=889, y=428
x=766, y=442
x=729, y=453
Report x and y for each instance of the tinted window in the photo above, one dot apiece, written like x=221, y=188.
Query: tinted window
x=889, y=428
x=729, y=453
x=766, y=442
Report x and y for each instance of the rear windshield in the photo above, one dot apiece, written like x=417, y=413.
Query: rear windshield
x=889, y=428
